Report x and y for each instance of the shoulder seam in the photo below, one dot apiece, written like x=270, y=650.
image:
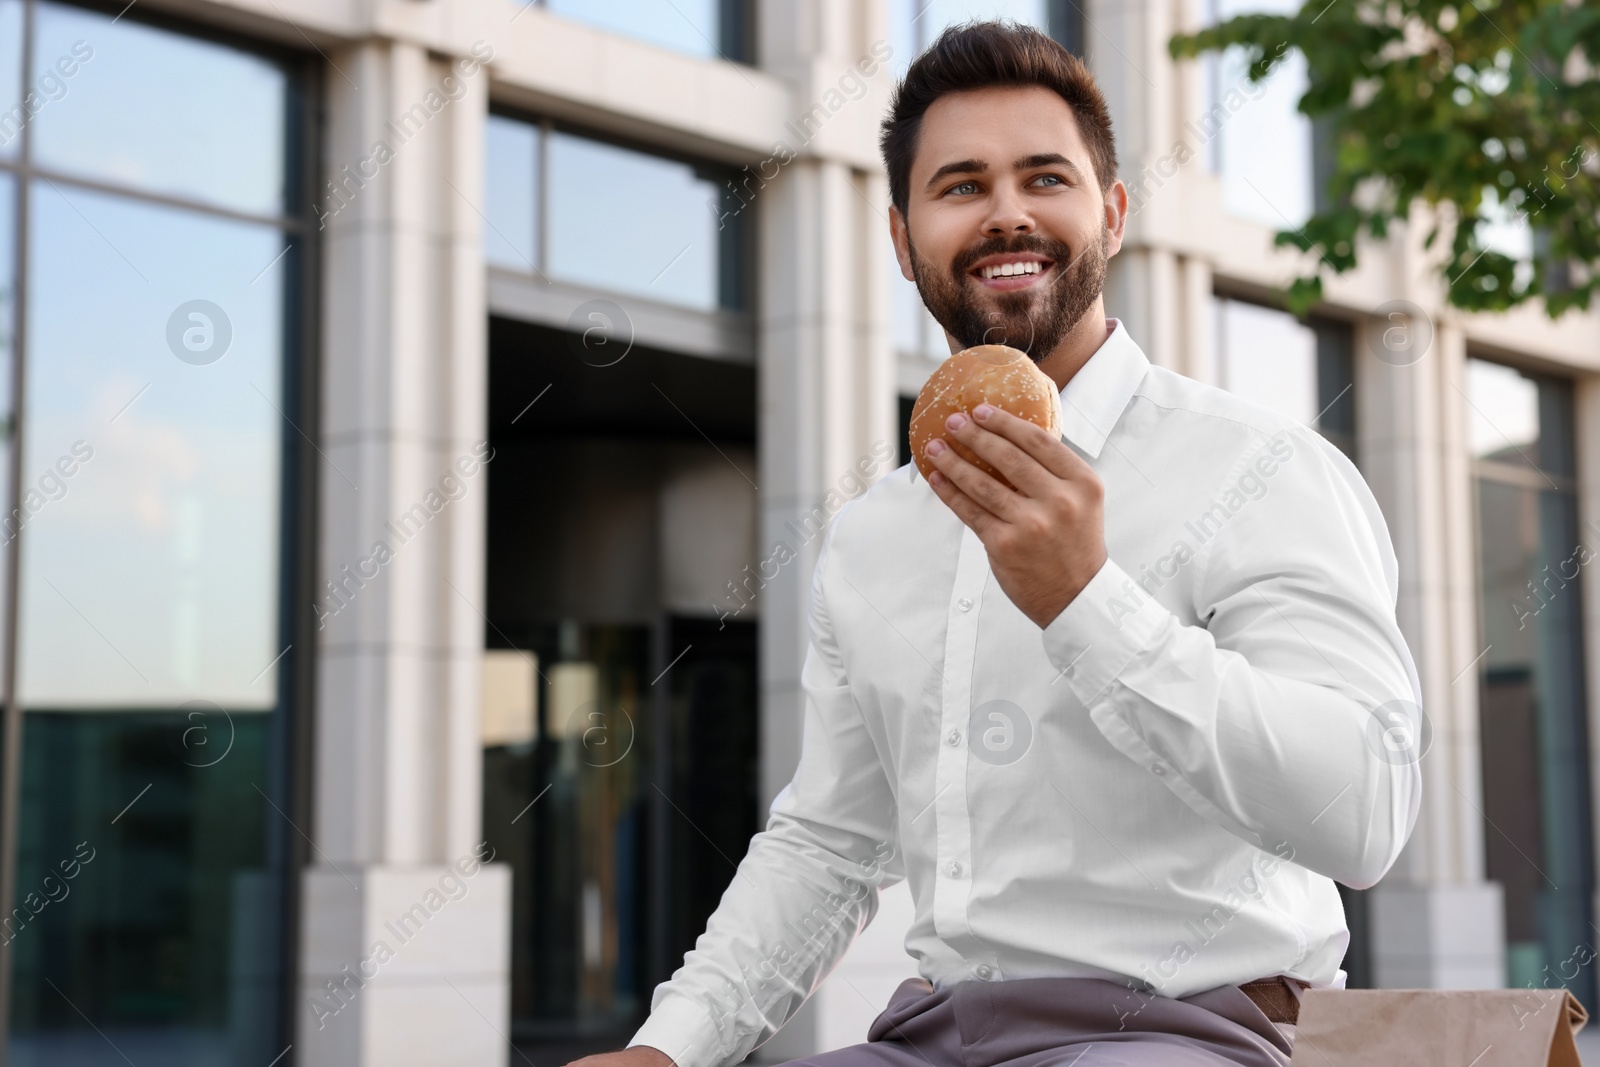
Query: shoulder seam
x=1288, y=423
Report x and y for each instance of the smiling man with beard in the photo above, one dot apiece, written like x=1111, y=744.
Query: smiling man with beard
x=1121, y=804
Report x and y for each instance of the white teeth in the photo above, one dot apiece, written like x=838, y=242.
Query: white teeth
x=1006, y=270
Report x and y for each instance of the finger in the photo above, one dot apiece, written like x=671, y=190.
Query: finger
x=1022, y=470
x=1036, y=441
x=967, y=510
x=995, y=498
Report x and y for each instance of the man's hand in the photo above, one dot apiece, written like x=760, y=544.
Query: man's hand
x=1046, y=538
x=637, y=1056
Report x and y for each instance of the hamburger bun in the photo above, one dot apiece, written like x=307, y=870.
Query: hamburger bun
x=987, y=374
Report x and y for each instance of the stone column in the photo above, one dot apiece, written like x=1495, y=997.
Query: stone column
x=1126, y=50
x=1198, y=328
x=826, y=371
x=405, y=935
x=1435, y=922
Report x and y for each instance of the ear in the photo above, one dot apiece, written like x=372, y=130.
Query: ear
x=901, y=237
x=1116, y=208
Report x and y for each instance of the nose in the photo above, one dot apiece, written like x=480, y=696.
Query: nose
x=1008, y=215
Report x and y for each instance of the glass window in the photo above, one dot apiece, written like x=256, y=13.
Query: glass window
x=16, y=516
x=1257, y=139
x=151, y=578
x=15, y=115
x=916, y=333
x=615, y=218
x=710, y=28
x=633, y=223
x=128, y=111
x=156, y=436
x=1503, y=424
x=511, y=235
x=1537, y=837
x=915, y=24
x=1267, y=356
x=1302, y=370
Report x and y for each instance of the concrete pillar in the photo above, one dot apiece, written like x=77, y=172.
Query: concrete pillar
x=1126, y=50
x=399, y=914
x=1197, y=329
x=1435, y=922
x=1146, y=290
x=826, y=372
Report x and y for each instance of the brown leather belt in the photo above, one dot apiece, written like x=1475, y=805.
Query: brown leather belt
x=1277, y=999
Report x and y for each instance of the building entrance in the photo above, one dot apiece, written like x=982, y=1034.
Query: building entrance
x=621, y=693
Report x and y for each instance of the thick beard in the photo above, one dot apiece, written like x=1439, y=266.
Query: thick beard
x=1034, y=320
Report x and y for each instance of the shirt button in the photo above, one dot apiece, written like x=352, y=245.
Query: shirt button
x=984, y=971
x=964, y=604
x=953, y=737
x=954, y=869
x=1158, y=769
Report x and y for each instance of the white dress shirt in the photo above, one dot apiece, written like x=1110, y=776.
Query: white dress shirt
x=1160, y=787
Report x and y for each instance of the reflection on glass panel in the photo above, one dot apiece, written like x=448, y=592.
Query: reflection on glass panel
x=161, y=924
x=635, y=223
x=693, y=26
x=130, y=113
x=511, y=180
x=11, y=524
x=1503, y=413
x=1267, y=356
x=1531, y=699
x=1336, y=383
x=568, y=715
x=15, y=105
x=1263, y=143
x=150, y=572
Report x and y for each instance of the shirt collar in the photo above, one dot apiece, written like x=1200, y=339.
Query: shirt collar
x=1094, y=399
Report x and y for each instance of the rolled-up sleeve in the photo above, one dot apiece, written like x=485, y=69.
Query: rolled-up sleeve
x=1292, y=712
x=805, y=889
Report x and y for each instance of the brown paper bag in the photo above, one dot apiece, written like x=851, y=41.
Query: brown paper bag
x=1438, y=1028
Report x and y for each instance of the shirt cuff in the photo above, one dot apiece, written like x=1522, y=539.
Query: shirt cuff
x=1108, y=623
x=682, y=1028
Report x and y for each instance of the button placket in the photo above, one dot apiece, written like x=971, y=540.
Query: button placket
x=953, y=832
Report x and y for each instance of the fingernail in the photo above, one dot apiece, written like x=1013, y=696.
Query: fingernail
x=935, y=447
x=956, y=421
x=983, y=411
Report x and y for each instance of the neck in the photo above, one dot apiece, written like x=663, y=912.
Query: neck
x=1081, y=342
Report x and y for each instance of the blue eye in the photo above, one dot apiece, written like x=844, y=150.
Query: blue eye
x=961, y=185
x=1051, y=177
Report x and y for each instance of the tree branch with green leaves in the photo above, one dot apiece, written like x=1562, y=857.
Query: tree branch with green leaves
x=1485, y=112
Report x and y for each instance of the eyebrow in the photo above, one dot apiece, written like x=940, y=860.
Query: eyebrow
x=978, y=166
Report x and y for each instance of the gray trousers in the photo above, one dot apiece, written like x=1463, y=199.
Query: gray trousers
x=1062, y=1022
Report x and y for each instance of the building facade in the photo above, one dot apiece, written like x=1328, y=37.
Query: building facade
x=423, y=416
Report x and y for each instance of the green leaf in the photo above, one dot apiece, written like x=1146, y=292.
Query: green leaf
x=1434, y=104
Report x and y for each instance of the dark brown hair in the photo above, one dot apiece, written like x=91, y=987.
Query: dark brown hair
x=976, y=55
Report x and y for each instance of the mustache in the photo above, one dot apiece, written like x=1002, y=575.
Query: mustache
x=1055, y=251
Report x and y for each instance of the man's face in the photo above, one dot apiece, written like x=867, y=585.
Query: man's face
x=1003, y=179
